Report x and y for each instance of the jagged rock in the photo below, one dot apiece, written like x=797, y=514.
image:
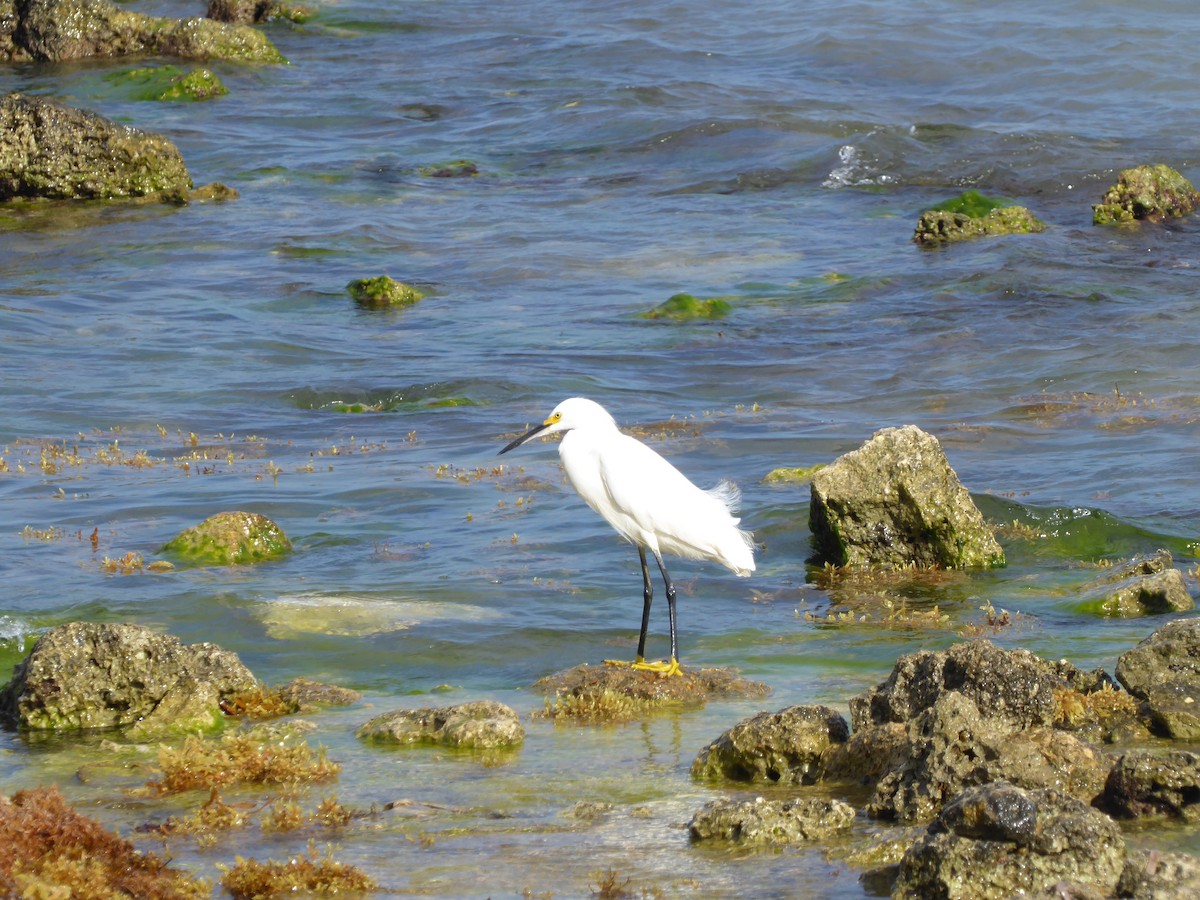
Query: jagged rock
x=896, y=502
x=1152, y=875
x=230, y=538
x=784, y=747
x=1170, y=655
x=59, y=152
x=307, y=695
x=254, y=12
x=1155, y=193
x=997, y=841
x=762, y=821
x=84, y=675
x=1144, y=586
x=954, y=745
x=1142, y=783
x=58, y=30
x=478, y=725
x=937, y=227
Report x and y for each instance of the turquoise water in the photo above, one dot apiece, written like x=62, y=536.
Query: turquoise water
x=776, y=157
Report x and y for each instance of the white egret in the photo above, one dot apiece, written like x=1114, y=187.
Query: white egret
x=648, y=501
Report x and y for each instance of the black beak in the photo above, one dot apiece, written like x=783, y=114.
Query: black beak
x=532, y=432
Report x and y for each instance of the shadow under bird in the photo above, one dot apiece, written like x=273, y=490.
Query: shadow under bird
x=648, y=501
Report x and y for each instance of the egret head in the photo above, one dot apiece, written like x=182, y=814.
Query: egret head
x=577, y=412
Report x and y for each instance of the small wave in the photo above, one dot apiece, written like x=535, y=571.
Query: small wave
x=858, y=169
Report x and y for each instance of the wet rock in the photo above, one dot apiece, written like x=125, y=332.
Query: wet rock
x=59, y=152
x=85, y=675
x=939, y=226
x=1171, y=655
x=1152, y=875
x=168, y=83
x=784, y=747
x=58, y=30
x=230, y=538
x=382, y=292
x=762, y=821
x=254, y=12
x=954, y=746
x=685, y=307
x=1145, y=586
x=618, y=693
x=998, y=841
x=307, y=695
x=869, y=754
x=1143, y=783
x=1154, y=193
x=896, y=502
x=478, y=725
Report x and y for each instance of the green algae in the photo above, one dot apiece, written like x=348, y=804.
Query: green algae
x=1154, y=193
x=169, y=83
x=936, y=227
x=382, y=292
x=792, y=475
x=458, y=168
x=230, y=538
x=685, y=307
x=969, y=203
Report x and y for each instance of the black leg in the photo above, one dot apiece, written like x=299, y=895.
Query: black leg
x=670, y=605
x=647, y=596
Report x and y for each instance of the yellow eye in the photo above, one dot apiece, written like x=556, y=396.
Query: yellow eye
x=554, y=417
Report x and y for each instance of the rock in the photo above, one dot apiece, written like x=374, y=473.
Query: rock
x=254, y=12
x=998, y=841
x=84, y=675
x=1142, y=783
x=1015, y=687
x=230, y=538
x=1151, y=875
x=168, y=83
x=307, y=695
x=382, y=292
x=477, y=725
x=954, y=746
x=685, y=307
x=896, y=502
x=1171, y=655
x=761, y=821
x=1145, y=586
x=59, y=152
x=1155, y=193
x=938, y=227
x=58, y=30
x=784, y=747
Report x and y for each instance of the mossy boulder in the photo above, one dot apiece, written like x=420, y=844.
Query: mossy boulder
x=895, y=502
x=255, y=12
x=383, y=292
x=784, y=747
x=170, y=83
x=1153, y=193
x=763, y=821
x=685, y=307
x=477, y=725
x=972, y=215
x=58, y=30
x=84, y=676
x=230, y=538
x=53, y=151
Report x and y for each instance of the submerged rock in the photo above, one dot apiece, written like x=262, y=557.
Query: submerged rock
x=85, y=675
x=762, y=821
x=1154, y=193
x=230, y=538
x=972, y=215
x=58, y=30
x=168, y=83
x=382, y=292
x=58, y=152
x=895, y=502
x=998, y=841
x=477, y=725
x=1145, y=586
x=684, y=307
x=784, y=747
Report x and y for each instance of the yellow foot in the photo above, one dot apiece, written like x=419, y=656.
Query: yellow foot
x=663, y=667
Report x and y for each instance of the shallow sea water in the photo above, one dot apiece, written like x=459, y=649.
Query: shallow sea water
x=775, y=156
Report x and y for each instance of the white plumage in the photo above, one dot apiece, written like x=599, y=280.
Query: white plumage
x=647, y=500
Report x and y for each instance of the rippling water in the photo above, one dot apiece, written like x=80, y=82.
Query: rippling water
x=775, y=155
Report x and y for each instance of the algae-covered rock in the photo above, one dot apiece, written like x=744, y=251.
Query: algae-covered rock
x=1143, y=783
x=762, y=821
x=792, y=474
x=1171, y=655
x=457, y=168
x=972, y=215
x=382, y=292
x=84, y=675
x=170, y=83
x=895, y=502
x=1154, y=193
x=477, y=725
x=230, y=538
x=1158, y=875
x=684, y=307
x=997, y=841
x=784, y=747
x=254, y=12
x=1144, y=586
x=58, y=30
x=58, y=152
